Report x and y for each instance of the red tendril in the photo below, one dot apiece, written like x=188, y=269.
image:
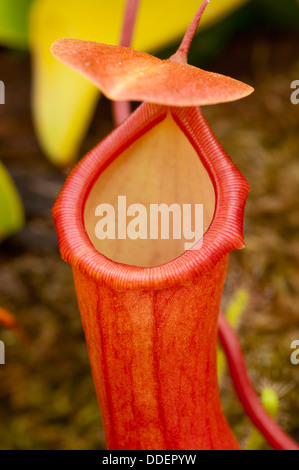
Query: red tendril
x=274, y=435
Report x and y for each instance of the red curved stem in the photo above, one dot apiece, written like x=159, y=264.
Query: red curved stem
x=181, y=54
x=186, y=43
x=122, y=109
x=274, y=435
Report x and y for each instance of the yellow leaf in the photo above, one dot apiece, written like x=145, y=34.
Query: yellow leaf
x=63, y=101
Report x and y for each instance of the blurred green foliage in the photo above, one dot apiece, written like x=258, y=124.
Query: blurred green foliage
x=270, y=401
x=14, y=15
x=11, y=210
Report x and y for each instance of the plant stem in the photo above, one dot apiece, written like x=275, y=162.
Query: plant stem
x=122, y=109
x=183, y=50
x=129, y=23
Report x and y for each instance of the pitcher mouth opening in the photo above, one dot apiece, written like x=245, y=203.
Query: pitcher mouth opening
x=205, y=176
x=153, y=202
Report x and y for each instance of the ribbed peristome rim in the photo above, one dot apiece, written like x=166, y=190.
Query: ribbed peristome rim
x=224, y=234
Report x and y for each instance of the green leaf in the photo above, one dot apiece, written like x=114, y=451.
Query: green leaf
x=14, y=23
x=11, y=209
